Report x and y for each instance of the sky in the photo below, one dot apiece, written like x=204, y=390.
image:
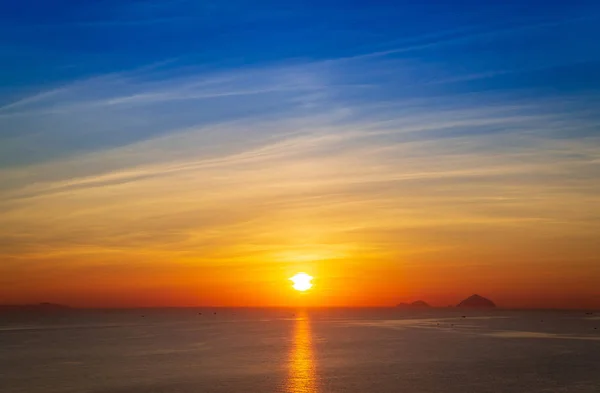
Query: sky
x=194, y=153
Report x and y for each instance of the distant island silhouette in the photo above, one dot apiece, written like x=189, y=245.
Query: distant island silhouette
x=473, y=301
x=415, y=304
x=476, y=301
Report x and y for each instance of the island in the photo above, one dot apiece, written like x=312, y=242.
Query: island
x=476, y=301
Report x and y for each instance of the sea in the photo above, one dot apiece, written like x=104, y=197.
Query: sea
x=301, y=351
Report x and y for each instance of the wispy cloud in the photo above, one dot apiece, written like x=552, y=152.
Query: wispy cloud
x=324, y=165
x=495, y=33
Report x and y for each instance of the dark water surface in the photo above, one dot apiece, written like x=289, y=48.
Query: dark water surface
x=355, y=351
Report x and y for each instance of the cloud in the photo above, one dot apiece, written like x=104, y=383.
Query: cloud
x=342, y=176
x=344, y=160
x=114, y=110
x=449, y=38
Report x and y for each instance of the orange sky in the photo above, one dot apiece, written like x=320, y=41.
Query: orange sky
x=351, y=273
x=234, y=241
x=231, y=233
x=432, y=199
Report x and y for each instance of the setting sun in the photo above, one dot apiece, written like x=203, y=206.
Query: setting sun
x=301, y=282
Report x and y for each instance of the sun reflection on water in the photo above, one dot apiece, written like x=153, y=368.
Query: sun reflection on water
x=302, y=375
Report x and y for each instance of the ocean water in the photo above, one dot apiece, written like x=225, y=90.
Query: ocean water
x=336, y=350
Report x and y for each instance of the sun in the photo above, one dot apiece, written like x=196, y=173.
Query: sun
x=301, y=282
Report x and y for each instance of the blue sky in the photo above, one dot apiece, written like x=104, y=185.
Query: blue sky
x=363, y=53
x=440, y=122
x=53, y=42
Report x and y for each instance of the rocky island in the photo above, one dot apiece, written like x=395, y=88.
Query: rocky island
x=476, y=301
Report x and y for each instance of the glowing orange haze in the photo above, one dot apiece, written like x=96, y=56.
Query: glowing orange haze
x=351, y=268
x=249, y=264
x=336, y=283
